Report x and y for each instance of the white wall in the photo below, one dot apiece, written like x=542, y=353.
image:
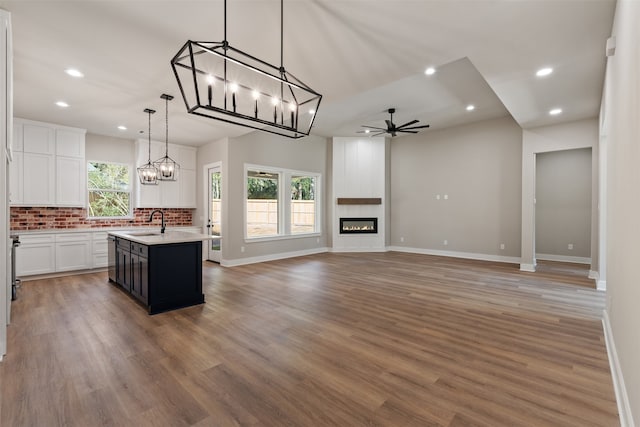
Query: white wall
x=477, y=167
x=6, y=128
x=621, y=115
x=110, y=149
x=566, y=136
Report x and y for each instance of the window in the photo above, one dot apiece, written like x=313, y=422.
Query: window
x=303, y=204
x=280, y=202
x=109, y=190
x=262, y=203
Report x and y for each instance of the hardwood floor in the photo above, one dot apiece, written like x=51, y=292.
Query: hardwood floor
x=384, y=339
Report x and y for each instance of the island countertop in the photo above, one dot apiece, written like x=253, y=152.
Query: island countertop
x=150, y=238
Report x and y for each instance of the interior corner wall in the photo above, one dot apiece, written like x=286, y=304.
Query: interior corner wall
x=460, y=185
x=565, y=136
x=622, y=113
x=563, y=205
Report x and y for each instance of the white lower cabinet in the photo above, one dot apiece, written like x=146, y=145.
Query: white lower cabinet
x=73, y=251
x=100, y=249
x=36, y=255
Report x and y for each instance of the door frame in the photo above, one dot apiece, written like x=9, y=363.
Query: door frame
x=205, y=203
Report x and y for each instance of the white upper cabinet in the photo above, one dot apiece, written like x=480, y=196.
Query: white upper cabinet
x=167, y=194
x=50, y=169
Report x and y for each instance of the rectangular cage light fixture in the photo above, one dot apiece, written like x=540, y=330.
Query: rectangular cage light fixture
x=226, y=84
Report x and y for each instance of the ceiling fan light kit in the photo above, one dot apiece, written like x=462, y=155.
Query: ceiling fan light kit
x=223, y=83
x=391, y=128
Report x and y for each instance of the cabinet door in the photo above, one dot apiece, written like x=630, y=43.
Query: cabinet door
x=38, y=179
x=123, y=267
x=140, y=277
x=187, y=188
x=171, y=192
x=71, y=182
x=16, y=143
x=69, y=143
x=15, y=179
x=35, y=255
x=73, y=255
x=38, y=139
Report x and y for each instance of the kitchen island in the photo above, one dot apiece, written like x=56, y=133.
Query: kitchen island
x=163, y=271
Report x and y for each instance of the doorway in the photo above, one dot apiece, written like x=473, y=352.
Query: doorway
x=214, y=212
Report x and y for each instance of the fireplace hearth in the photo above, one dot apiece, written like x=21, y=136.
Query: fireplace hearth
x=358, y=225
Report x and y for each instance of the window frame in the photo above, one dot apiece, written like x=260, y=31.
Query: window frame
x=284, y=203
x=130, y=191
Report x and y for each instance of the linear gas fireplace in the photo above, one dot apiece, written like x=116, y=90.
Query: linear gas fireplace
x=358, y=225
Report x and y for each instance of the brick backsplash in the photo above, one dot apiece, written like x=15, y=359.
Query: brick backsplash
x=36, y=218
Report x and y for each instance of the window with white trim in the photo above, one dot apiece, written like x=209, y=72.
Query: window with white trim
x=280, y=202
x=109, y=187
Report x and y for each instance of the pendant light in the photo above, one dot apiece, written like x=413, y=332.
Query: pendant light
x=148, y=173
x=223, y=83
x=167, y=167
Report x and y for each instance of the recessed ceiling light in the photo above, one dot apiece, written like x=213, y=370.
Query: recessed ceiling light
x=471, y=107
x=73, y=72
x=430, y=71
x=544, y=72
x=62, y=104
x=121, y=127
x=555, y=111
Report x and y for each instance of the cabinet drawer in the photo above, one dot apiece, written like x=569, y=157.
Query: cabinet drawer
x=100, y=260
x=73, y=237
x=123, y=244
x=36, y=239
x=138, y=249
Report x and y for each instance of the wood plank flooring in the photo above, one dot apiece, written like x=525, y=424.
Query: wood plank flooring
x=383, y=339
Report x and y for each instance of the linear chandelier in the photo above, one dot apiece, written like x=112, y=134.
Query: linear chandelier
x=223, y=83
x=148, y=173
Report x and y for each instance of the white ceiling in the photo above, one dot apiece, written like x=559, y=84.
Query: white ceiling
x=364, y=56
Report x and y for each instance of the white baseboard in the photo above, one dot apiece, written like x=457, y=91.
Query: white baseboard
x=338, y=250
x=531, y=268
x=564, y=258
x=454, y=254
x=624, y=408
x=270, y=257
x=601, y=285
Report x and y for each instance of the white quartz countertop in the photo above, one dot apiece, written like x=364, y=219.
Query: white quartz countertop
x=154, y=237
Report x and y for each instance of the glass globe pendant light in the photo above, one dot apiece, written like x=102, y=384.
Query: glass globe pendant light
x=148, y=173
x=167, y=167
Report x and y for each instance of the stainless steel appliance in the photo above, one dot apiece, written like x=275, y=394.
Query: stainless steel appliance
x=15, y=282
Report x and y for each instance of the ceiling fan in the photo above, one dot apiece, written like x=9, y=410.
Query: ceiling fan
x=391, y=128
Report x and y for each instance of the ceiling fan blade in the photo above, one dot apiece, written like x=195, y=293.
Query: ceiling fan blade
x=417, y=127
x=389, y=124
x=412, y=122
x=407, y=131
x=379, y=133
x=372, y=127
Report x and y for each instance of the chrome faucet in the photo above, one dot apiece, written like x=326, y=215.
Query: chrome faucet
x=161, y=218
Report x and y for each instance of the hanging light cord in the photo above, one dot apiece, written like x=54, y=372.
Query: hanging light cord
x=149, y=135
x=281, y=35
x=166, y=126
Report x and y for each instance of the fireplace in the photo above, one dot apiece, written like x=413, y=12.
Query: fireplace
x=358, y=225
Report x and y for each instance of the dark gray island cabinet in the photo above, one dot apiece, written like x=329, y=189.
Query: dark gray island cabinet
x=163, y=271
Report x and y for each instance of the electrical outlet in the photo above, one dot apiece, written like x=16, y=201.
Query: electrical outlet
x=241, y=248
x=446, y=242
x=502, y=246
x=570, y=246
x=317, y=240
x=437, y=197
x=446, y=197
x=402, y=240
